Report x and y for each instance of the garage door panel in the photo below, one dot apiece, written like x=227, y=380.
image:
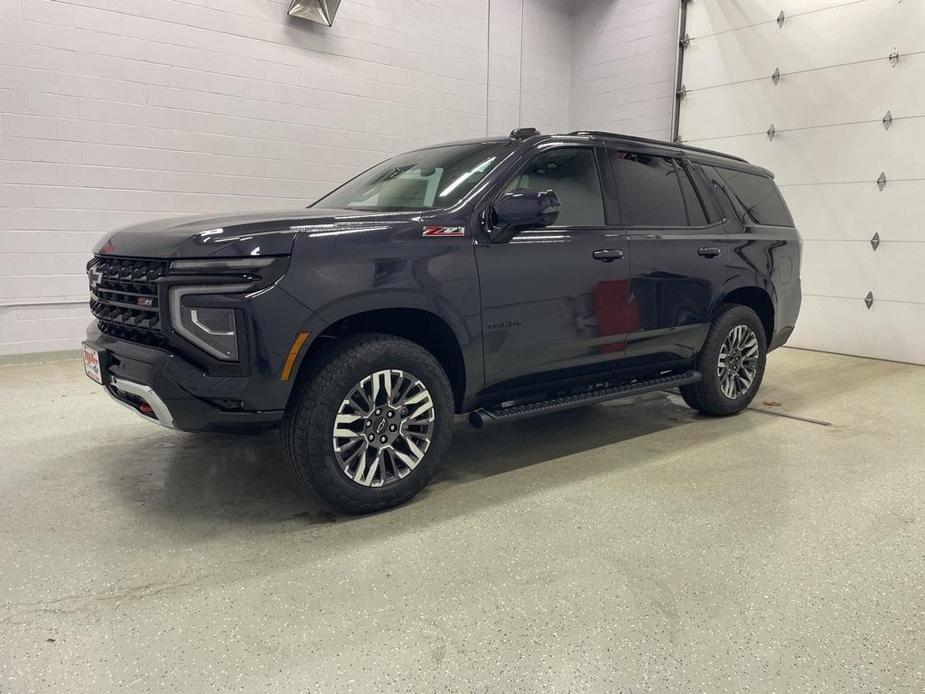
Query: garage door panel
x=837, y=268
x=837, y=154
x=833, y=37
x=713, y=17
x=897, y=272
x=854, y=212
x=853, y=268
x=887, y=330
x=806, y=100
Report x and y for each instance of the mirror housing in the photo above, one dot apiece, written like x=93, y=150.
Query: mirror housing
x=523, y=209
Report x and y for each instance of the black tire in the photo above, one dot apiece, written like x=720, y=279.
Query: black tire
x=309, y=420
x=707, y=396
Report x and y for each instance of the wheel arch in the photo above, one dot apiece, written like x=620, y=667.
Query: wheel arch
x=756, y=298
x=419, y=325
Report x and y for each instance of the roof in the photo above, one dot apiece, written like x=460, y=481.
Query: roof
x=527, y=138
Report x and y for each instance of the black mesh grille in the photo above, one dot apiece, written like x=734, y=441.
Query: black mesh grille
x=123, y=298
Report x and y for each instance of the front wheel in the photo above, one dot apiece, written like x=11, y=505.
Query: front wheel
x=371, y=425
x=732, y=362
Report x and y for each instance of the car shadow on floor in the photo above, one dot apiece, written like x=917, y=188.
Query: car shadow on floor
x=235, y=480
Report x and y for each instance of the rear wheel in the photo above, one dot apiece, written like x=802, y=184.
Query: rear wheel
x=732, y=362
x=371, y=425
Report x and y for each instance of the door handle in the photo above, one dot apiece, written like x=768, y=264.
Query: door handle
x=711, y=252
x=608, y=255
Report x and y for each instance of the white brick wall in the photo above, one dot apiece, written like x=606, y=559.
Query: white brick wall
x=117, y=111
x=529, y=73
x=623, y=66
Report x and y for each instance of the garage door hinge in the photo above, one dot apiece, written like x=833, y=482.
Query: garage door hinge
x=881, y=180
x=780, y=18
x=686, y=41
x=775, y=76
x=894, y=58
x=875, y=240
x=682, y=92
x=888, y=120
x=869, y=299
x=771, y=132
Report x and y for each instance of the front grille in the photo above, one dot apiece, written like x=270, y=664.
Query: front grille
x=123, y=298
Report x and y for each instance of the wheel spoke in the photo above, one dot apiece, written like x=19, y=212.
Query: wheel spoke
x=406, y=459
x=415, y=451
x=373, y=469
x=357, y=453
x=416, y=398
x=424, y=407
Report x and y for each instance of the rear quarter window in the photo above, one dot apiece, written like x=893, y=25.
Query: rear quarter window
x=758, y=195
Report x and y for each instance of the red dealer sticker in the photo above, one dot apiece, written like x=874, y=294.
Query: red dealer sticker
x=444, y=231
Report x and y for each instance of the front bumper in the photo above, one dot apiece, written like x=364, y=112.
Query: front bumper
x=141, y=399
x=148, y=381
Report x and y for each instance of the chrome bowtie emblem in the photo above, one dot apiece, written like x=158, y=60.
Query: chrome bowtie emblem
x=96, y=277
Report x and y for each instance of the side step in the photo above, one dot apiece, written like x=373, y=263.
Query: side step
x=487, y=415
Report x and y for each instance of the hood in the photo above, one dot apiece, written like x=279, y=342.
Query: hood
x=236, y=235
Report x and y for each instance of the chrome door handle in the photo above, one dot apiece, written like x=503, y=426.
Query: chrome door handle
x=608, y=255
x=709, y=252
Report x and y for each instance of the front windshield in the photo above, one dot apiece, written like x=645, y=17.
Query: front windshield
x=421, y=180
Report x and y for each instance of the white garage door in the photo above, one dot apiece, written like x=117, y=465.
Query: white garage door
x=829, y=146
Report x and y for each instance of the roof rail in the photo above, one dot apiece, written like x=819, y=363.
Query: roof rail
x=663, y=143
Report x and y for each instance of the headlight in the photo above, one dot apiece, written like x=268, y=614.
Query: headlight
x=212, y=329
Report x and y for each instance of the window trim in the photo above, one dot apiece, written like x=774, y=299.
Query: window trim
x=682, y=169
x=711, y=205
x=542, y=148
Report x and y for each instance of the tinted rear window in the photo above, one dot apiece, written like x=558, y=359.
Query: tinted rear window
x=758, y=195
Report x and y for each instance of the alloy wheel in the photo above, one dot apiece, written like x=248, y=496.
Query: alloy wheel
x=383, y=428
x=738, y=362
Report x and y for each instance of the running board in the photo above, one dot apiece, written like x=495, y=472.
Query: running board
x=487, y=415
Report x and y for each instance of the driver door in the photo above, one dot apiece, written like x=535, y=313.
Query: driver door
x=554, y=299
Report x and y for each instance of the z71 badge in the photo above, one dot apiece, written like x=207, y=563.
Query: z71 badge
x=444, y=231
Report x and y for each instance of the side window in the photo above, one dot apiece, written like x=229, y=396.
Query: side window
x=696, y=217
x=650, y=191
x=758, y=195
x=729, y=204
x=572, y=173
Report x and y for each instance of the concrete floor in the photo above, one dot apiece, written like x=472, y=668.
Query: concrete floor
x=626, y=547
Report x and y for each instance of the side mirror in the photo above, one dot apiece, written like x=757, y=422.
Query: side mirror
x=523, y=209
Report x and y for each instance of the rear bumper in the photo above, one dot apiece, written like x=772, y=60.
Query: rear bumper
x=147, y=381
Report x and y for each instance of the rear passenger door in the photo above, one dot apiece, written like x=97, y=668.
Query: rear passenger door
x=678, y=253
